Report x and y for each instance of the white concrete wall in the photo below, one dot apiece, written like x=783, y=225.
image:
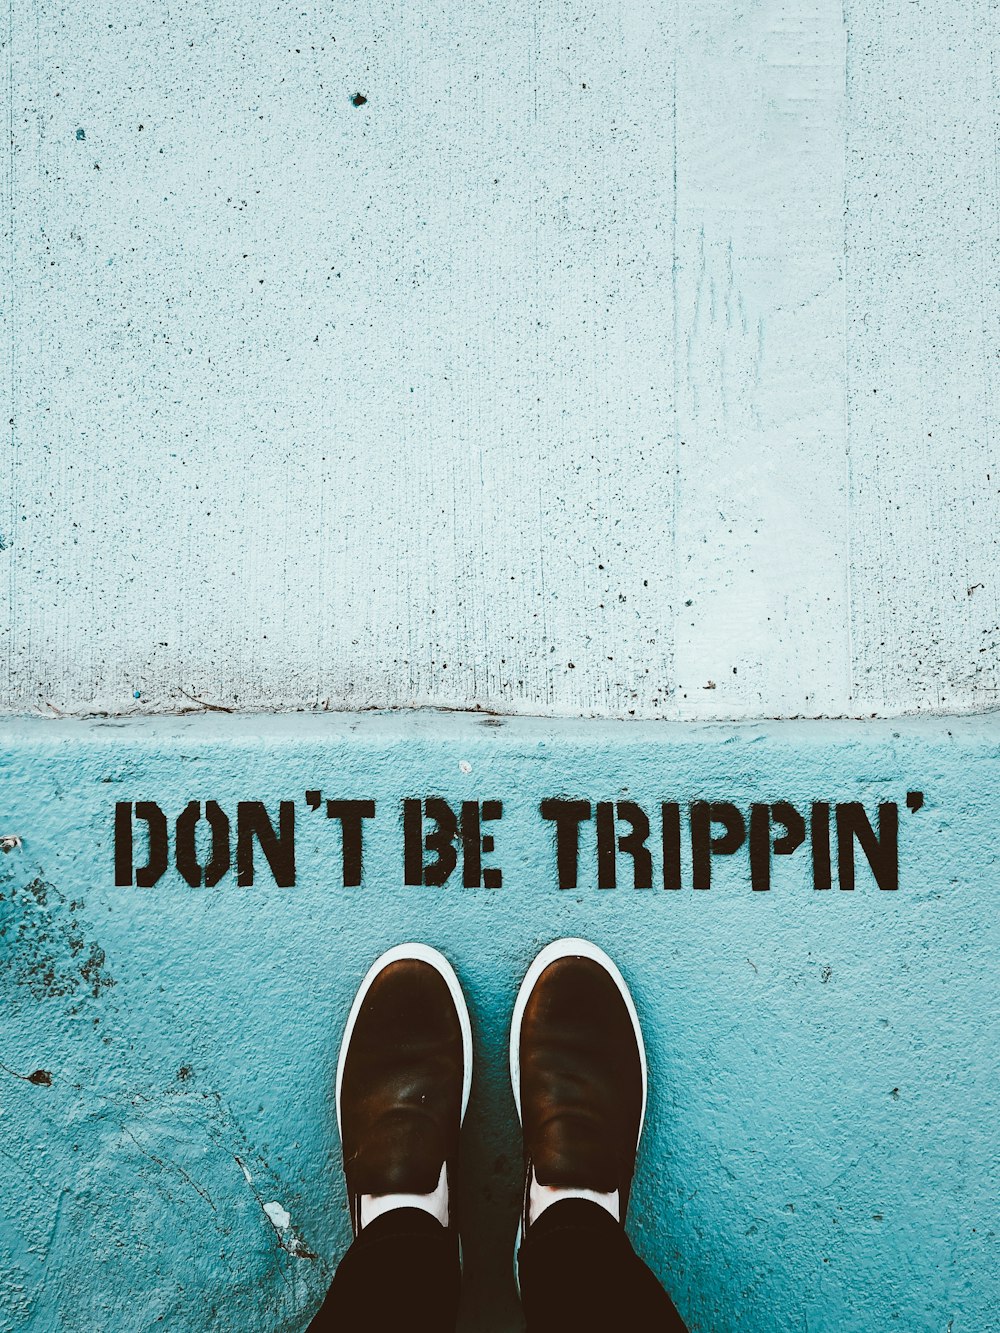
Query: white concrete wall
x=636, y=359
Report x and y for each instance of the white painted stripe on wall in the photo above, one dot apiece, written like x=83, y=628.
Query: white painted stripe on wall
x=761, y=513
x=462, y=396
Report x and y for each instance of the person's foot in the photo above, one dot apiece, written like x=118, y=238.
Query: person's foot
x=403, y=1081
x=578, y=1071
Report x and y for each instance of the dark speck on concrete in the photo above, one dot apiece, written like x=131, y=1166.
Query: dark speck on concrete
x=3, y=544
x=359, y=99
x=184, y=1073
x=40, y=1077
x=894, y=1094
x=826, y=972
x=81, y=134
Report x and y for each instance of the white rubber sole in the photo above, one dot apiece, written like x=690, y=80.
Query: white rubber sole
x=567, y=948
x=425, y=954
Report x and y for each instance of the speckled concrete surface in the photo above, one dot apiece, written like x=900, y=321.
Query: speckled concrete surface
x=631, y=360
x=821, y=1146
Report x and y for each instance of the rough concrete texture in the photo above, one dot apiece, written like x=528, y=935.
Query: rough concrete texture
x=627, y=360
x=821, y=1145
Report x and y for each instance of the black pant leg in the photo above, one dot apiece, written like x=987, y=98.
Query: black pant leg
x=401, y=1273
x=579, y=1274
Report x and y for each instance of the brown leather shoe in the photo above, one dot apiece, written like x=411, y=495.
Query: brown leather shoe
x=578, y=1070
x=403, y=1078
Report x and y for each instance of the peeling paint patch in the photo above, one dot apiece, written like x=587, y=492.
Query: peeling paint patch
x=298, y=1249
x=278, y=1216
x=281, y=1220
x=48, y=952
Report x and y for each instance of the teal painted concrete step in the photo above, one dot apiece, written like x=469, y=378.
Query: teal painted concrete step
x=823, y=1060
